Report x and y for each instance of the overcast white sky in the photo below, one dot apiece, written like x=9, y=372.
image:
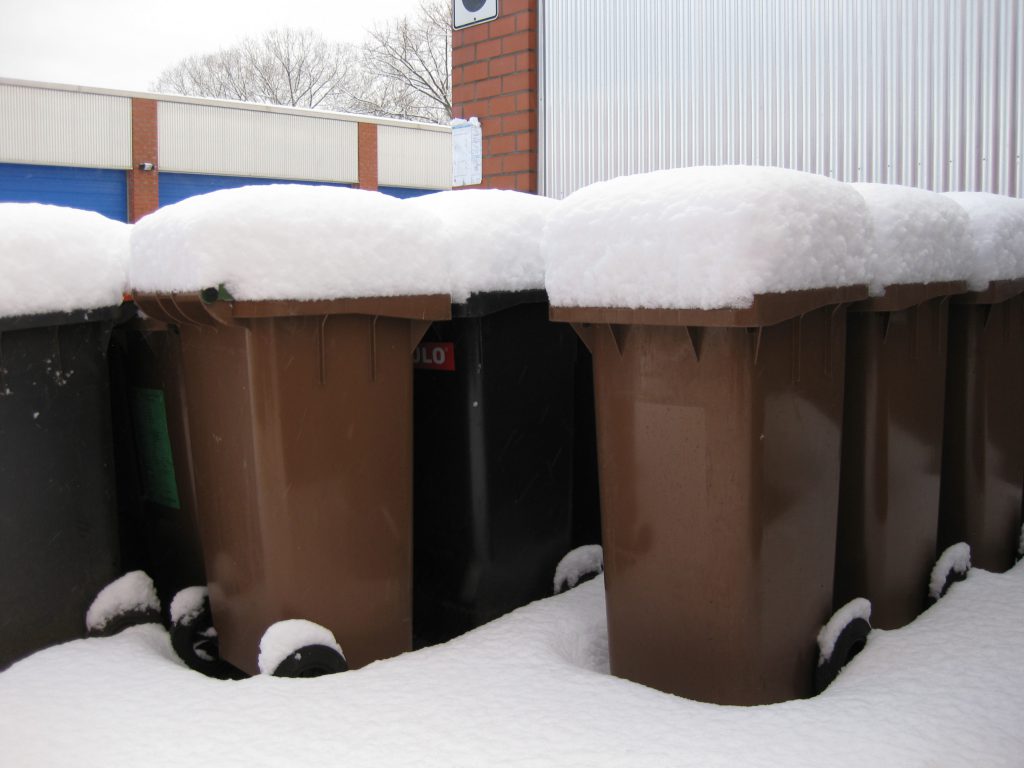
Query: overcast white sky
x=127, y=43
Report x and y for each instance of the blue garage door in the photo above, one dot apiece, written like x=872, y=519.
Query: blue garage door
x=175, y=187
x=92, y=189
x=404, y=192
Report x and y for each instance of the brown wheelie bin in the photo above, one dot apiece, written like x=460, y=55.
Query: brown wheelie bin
x=718, y=454
x=301, y=436
x=892, y=449
x=983, y=447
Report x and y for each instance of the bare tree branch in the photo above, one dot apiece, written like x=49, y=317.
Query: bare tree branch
x=403, y=69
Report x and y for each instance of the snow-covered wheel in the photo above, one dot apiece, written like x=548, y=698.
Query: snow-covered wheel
x=300, y=648
x=842, y=638
x=194, y=638
x=1020, y=545
x=578, y=565
x=123, y=603
x=951, y=567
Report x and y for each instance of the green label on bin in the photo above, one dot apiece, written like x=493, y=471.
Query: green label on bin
x=159, y=484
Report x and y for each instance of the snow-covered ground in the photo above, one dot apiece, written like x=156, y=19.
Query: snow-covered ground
x=531, y=689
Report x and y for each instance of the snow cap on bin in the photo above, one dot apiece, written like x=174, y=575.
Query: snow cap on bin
x=704, y=238
x=56, y=259
x=997, y=228
x=919, y=237
x=495, y=236
x=289, y=241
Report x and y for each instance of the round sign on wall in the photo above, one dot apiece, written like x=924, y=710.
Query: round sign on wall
x=465, y=13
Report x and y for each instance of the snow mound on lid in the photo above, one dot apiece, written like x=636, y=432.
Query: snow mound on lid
x=919, y=237
x=496, y=237
x=132, y=593
x=56, y=259
x=704, y=238
x=997, y=228
x=284, y=638
x=284, y=241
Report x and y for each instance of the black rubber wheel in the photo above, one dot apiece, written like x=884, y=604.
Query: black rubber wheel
x=122, y=621
x=312, y=661
x=195, y=642
x=850, y=642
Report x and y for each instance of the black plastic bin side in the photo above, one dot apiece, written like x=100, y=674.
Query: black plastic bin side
x=156, y=492
x=493, y=436
x=58, y=517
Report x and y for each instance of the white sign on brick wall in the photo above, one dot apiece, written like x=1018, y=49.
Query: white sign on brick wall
x=467, y=152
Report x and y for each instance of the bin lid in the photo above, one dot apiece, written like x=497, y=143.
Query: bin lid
x=115, y=314
x=766, y=309
x=997, y=292
x=192, y=309
x=490, y=302
x=899, y=297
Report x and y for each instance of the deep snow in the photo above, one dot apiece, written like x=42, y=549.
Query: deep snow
x=55, y=259
x=704, y=238
x=289, y=241
x=533, y=689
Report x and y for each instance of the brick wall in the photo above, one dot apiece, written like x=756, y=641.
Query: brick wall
x=494, y=78
x=143, y=186
x=367, y=156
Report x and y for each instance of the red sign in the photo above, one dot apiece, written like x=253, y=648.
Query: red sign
x=434, y=356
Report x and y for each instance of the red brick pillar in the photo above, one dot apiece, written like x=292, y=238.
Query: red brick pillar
x=367, y=156
x=494, y=78
x=143, y=186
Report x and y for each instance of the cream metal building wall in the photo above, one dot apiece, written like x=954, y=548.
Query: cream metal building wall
x=48, y=126
x=239, y=141
x=928, y=93
x=414, y=157
x=66, y=125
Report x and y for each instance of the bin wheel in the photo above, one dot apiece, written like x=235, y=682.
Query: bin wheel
x=125, y=602
x=951, y=567
x=842, y=638
x=311, y=661
x=194, y=638
x=300, y=648
x=579, y=565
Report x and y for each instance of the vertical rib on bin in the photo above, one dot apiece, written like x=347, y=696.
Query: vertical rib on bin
x=718, y=451
x=301, y=433
x=892, y=450
x=983, y=449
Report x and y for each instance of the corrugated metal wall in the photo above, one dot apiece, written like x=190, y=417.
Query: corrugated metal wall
x=195, y=138
x=414, y=157
x=928, y=93
x=50, y=127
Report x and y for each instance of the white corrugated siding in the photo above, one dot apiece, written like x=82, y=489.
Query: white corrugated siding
x=51, y=127
x=249, y=142
x=414, y=157
x=928, y=93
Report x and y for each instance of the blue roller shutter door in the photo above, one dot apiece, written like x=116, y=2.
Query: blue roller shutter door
x=92, y=189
